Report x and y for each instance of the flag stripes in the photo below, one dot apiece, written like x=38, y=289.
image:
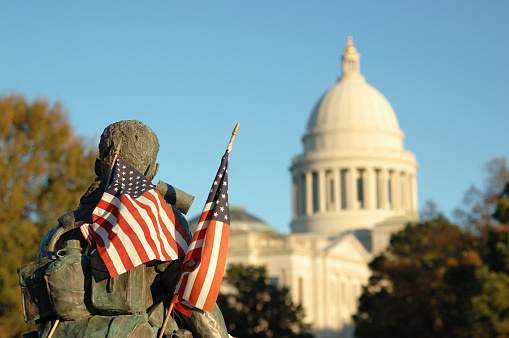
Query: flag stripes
x=131, y=231
x=204, y=264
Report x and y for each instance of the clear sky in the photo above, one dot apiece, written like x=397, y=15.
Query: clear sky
x=192, y=70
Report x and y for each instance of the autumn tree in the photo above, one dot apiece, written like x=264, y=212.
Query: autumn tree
x=44, y=169
x=438, y=279
x=256, y=308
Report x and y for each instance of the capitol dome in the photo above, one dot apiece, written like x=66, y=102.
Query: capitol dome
x=352, y=114
x=354, y=172
x=241, y=220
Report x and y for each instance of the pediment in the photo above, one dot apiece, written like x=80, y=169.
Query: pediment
x=348, y=247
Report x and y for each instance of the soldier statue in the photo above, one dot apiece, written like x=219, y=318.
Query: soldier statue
x=68, y=289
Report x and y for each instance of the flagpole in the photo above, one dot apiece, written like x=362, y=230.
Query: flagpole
x=229, y=149
x=54, y=327
x=232, y=138
x=117, y=152
x=166, y=321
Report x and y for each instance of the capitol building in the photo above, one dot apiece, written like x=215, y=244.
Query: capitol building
x=353, y=186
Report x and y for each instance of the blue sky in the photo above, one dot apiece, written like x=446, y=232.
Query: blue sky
x=192, y=70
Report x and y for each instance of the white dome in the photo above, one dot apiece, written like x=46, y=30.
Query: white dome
x=354, y=172
x=353, y=115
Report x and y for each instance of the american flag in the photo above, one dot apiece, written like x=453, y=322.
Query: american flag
x=203, y=267
x=132, y=224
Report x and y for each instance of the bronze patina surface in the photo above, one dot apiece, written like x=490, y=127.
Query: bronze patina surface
x=69, y=282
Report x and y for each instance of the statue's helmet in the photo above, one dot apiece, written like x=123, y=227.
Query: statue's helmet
x=139, y=147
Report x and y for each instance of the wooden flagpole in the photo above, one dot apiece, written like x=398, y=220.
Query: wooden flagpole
x=166, y=321
x=229, y=149
x=233, y=137
x=54, y=327
x=117, y=152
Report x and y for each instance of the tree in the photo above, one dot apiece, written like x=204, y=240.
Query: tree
x=44, y=170
x=404, y=294
x=257, y=308
x=441, y=280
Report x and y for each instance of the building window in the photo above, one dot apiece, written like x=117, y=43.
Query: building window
x=331, y=196
x=316, y=192
x=343, y=175
x=360, y=188
x=303, y=195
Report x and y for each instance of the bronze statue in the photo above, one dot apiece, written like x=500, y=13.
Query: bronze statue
x=70, y=285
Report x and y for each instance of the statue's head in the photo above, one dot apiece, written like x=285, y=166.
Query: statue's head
x=139, y=147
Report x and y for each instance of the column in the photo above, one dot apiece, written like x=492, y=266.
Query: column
x=414, y=194
x=397, y=190
x=337, y=190
x=309, y=193
x=370, y=191
x=295, y=196
x=321, y=191
x=384, y=187
x=352, y=189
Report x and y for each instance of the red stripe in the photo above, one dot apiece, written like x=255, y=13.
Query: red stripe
x=178, y=227
x=129, y=230
x=205, y=215
x=206, y=257
x=161, y=228
x=117, y=243
x=136, y=214
x=218, y=274
x=104, y=254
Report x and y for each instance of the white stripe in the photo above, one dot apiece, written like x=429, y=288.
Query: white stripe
x=195, y=244
x=85, y=230
x=137, y=228
x=112, y=252
x=123, y=238
x=181, y=242
x=158, y=229
x=212, y=266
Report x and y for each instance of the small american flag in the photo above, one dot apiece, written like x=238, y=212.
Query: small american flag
x=132, y=224
x=203, y=267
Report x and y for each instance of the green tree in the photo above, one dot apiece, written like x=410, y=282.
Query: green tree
x=44, y=169
x=404, y=294
x=440, y=280
x=257, y=308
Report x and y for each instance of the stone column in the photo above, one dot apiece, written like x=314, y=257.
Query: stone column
x=397, y=190
x=352, y=189
x=309, y=193
x=337, y=190
x=295, y=196
x=414, y=194
x=321, y=191
x=384, y=188
x=370, y=190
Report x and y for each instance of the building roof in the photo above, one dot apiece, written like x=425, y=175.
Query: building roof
x=241, y=220
x=352, y=114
